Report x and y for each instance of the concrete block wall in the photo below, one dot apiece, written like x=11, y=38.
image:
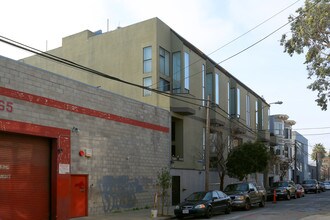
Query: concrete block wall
x=129, y=140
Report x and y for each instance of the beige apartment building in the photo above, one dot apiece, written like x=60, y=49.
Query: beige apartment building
x=181, y=78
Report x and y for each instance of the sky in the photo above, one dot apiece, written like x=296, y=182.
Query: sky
x=208, y=24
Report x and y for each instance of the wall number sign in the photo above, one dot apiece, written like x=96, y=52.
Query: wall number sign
x=6, y=106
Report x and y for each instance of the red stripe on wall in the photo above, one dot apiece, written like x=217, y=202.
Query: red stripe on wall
x=77, y=109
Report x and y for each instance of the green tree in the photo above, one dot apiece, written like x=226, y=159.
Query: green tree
x=246, y=159
x=310, y=30
x=319, y=152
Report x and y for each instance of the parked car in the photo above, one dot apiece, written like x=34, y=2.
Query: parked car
x=300, y=191
x=205, y=203
x=244, y=195
x=283, y=189
x=311, y=185
x=322, y=186
x=327, y=185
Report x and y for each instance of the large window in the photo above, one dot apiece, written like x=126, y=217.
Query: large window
x=257, y=116
x=147, y=82
x=203, y=85
x=164, y=62
x=238, y=102
x=209, y=85
x=147, y=62
x=217, y=89
x=248, y=111
x=164, y=85
x=176, y=72
x=186, y=71
x=278, y=128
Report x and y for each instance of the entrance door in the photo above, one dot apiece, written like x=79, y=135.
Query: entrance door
x=175, y=190
x=79, y=186
x=24, y=177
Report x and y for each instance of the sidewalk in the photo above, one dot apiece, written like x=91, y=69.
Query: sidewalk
x=143, y=214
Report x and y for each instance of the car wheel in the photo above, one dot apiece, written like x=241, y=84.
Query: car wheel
x=228, y=209
x=262, y=203
x=288, y=196
x=179, y=216
x=247, y=205
x=208, y=212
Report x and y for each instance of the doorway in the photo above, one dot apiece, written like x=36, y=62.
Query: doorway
x=79, y=192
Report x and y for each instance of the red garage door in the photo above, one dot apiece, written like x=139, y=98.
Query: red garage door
x=24, y=177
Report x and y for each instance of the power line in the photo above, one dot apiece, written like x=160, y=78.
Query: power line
x=235, y=39
x=312, y=128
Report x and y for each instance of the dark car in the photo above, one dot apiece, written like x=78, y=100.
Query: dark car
x=300, y=191
x=283, y=189
x=311, y=185
x=246, y=194
x=205, y=203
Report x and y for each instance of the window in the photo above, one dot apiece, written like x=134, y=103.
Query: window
x=176, y=72
x=147, y=82
x=248, y=111
x=217, y=89
x=209, y=85
x=234, y=107
x=203, y=85
x=203, y=143
x=164, y=62
x=278, y=128
x=186, y=71
x=147, y=62
x=164, y=85
x=228, y=99
x=238, y=103
x=257, y=120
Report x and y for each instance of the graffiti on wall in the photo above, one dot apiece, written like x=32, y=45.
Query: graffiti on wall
x=119, y=192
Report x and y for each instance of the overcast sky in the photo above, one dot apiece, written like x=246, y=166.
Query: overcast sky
x=207, y=24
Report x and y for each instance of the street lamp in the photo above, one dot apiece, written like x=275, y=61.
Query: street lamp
x=276, y=103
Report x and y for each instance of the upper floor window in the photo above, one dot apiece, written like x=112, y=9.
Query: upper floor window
x=217, y=89
x=278, y=128
x=238, y=102
x=176, y=72
x=164, y=62
x=203, y=85
x=147, y=61
x=164, y=85
x=186, y=71
x=209, y=86
x=147, y=82
x=248, y=111
x=257, y=116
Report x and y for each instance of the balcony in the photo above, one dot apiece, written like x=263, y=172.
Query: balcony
x=183, y=110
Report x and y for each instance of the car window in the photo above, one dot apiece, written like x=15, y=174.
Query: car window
x=196, y=196
x=221, y=194
x=251, y=186
x=309, y=182
x=237, y=187
x=215, y=195
x=208, y=196
x=280, y=184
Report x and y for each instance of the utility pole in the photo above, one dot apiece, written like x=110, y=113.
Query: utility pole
x=207, y=144
x=317, y=166
x=295, y=162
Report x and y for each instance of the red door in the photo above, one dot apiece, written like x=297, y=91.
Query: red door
x=24, y=177
x=79, y=186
